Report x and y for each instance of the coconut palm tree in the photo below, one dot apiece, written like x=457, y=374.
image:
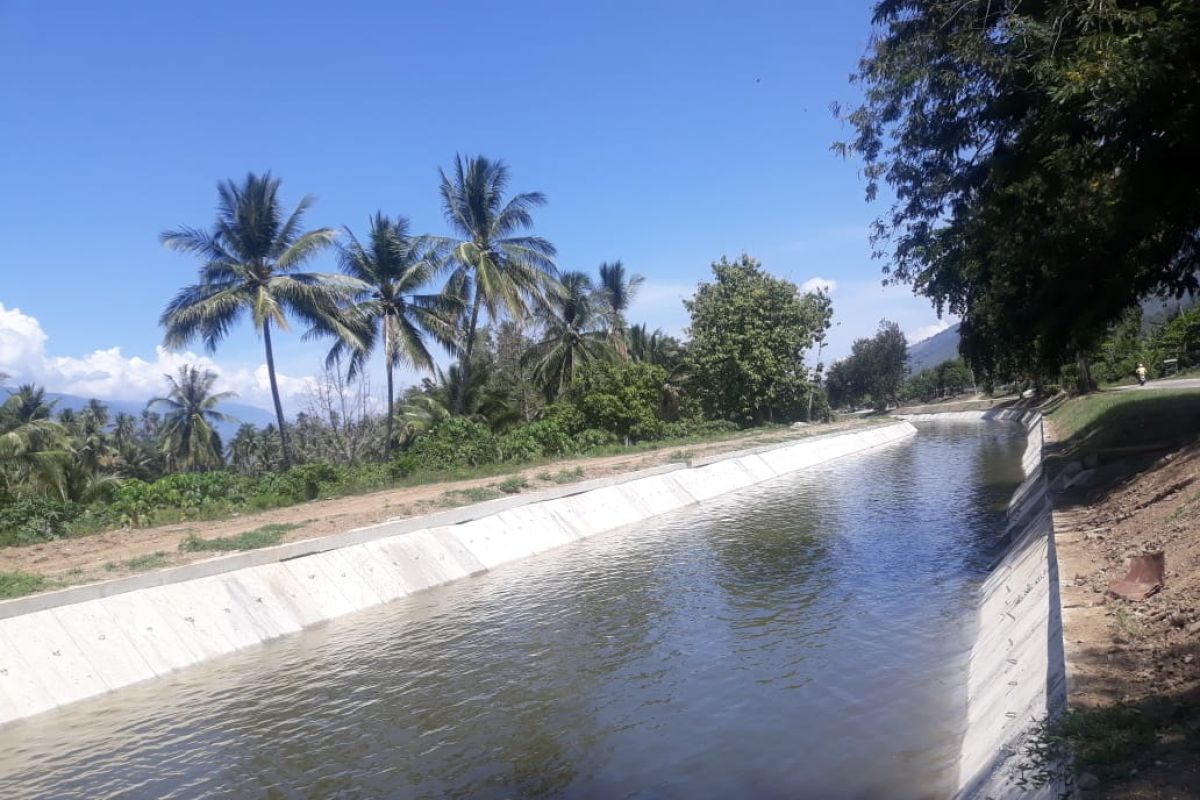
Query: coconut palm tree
x=495, y=268
x=617, y=293
x=573, y=333
x=33, y=447
x=190, y=440
x=389, y=308
x=251, y=257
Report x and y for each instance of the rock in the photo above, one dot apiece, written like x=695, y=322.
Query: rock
x=1087, y=780
x=1178, y=620
x=1194, y=628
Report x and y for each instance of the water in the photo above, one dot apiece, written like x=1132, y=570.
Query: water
x=804, y=638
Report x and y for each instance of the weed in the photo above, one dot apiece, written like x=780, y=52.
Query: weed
x=512, y=485
x=266, y=536
x=683, y=456
x=149, y=561
x=1108, y=742
x=567, y=475
x=462, y=497
x=16, y=584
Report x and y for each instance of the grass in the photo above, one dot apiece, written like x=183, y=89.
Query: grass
x=512, y=485
x=266, y=536
x=140, y=563
x=1107, y=742
x=567, y=475
x=475, y=494
x=17, y=584
x=1108, y=420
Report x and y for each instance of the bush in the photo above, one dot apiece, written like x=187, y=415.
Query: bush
x=545, y=437
x=593, y=437
x=456, y=442
x=304, y=482
x=29, y=520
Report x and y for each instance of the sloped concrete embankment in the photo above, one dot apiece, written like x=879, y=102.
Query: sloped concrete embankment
x=65, y=646
x=1016, y=673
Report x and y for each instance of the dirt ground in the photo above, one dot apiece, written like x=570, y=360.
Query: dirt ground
x=104, y=556
x=1140, y=655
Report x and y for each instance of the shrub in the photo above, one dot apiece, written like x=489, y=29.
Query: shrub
x=545, y=437
x=266, y=536
x=16, y=584
x=36, y=519
x=593, y=437
x=456, y=442
x=513, y=485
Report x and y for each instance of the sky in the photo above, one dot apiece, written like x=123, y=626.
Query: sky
x=663, y=134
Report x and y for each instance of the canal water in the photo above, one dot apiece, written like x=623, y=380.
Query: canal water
x=805, y=638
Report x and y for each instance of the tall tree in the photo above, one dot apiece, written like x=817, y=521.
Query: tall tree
x=190, y=413
x=496, y=269
x=572, y=334
x=33, y=447
x=617, y=291
x=873, y=371
x=749, y=334
x=251, y=257
x=1043, y=160
x=388, y=308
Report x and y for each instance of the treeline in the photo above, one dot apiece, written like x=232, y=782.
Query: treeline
x=543, y=365
x=1046, y=159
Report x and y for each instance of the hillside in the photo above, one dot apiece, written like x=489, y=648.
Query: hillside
x=934, y=350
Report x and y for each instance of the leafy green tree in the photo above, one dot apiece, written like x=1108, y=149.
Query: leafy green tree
x=622, y=397
x=496, y=269
x=1043, y=161
x=251, y=257
x=573, y=334
x=873, y=371
x=190, y=440
x=389, y=308
x=749, y=334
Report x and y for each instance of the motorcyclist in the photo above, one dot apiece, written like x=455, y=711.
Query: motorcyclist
x=1141, y=374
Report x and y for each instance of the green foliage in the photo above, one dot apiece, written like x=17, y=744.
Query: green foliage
x=623, y=398
x=590, y=438
x=1044, y=163
x=140, y=563
x=563, y=475
x=749, y=333
x=513, y=485
x=18, y=584
x=265, y=536
x=545, y=437
x=457, y=442
x=948, y=378
x=873, y=372
x=28, y=520
x=462, y=497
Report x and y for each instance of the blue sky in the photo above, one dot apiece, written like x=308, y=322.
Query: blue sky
x=664, y=134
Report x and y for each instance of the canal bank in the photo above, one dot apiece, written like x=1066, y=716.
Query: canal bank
x=1017, y=671
x=62, y=647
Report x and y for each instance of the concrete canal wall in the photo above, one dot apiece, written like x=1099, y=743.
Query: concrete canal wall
x=61, y=647
x=1017, y=672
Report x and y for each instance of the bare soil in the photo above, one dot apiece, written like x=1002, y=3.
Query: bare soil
x=1141, y=655
x=104, y=556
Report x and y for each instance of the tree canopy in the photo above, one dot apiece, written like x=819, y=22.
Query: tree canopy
x=749, y=333
x=1042, y=160
x=873, y=372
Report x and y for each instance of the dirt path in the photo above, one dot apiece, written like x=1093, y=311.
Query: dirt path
x=108, y=555
x=1142, y=656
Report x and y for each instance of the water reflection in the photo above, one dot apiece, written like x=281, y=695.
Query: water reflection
x=804, y=638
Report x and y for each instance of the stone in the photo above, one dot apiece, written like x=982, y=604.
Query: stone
x=1087, y=780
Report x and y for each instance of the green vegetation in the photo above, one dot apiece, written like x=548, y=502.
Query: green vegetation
x=749, y=331
x=265, y=536
x=947, y=379
x=16, y=584
x=140, y=563
x=1043, y=156
x=513, y=485
x=1107, y=742
x=873, y=372
x=1109, y=419
x=563, y=475
x=546, y=366
x=475, y=494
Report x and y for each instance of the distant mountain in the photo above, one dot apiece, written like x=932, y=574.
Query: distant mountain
x=934, y=350
x=242, y=412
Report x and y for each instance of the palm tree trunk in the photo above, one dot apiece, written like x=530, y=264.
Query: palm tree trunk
x=390, y=409
x=460, y=399
x=283, y=443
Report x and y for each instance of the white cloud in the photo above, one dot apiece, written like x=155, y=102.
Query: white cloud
x=926, y=331
x=659, y=304
x=111, y=375
x=819, y=283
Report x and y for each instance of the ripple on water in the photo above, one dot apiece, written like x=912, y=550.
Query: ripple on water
x=802, y=638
